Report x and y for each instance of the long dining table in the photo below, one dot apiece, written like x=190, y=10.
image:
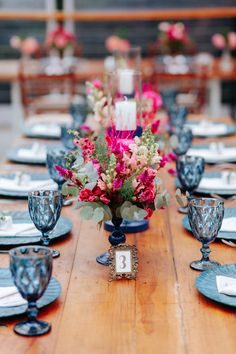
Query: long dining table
x=159, y=312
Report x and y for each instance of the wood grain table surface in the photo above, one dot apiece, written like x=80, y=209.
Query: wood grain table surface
x=159, y=313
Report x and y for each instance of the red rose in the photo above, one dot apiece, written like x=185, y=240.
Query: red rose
x=85, y=195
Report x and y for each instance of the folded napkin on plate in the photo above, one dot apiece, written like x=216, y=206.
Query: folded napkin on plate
x=207, y=129
x=24, y=229
x=49, y=129
x=11, y=185
x=10, y=296
x=226, y=285
x=216, y=183
x=38, y=153
x=229, y=224
x=214, y=155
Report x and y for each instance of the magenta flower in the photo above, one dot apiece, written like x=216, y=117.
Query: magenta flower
x=97, y=84
x=67, y=174
x=117, y=183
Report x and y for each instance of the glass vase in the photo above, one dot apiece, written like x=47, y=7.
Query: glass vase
x=115, y=238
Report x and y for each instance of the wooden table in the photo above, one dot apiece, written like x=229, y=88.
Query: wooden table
x=161, y=312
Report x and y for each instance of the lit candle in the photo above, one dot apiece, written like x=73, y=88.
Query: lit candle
x=125, y=112
x=126, y=81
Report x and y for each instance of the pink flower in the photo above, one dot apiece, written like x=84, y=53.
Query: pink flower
x=148, y=195
x=104, y=199
x=218, y=40
x=117, y=183
x=232, y=40
x=15, y=42
x=172, y=171
x=154, y=126
x=147, y=176
x=67, y=174
x=120, y=168
x=149, y=211
x=97, y=84
x=29, y=46
x=86, y=195
x=164, y=26
x=154, y=101
x=113, y=43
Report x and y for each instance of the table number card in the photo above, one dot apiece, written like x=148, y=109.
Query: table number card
x=123, y=262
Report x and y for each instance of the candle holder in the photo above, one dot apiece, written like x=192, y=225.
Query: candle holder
x=128, y=59
x=124, y=103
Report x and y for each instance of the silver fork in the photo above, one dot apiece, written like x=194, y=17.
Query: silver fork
x=228, y=242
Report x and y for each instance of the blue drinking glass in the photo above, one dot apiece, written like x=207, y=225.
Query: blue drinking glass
x=56, y=157
x=205, y=217
x=169, y=98
x=67, y=138
x=79, y=113
x=31, y=268
x=189, y=171
x=177, y=116
x=182, y=140
x=45, y=209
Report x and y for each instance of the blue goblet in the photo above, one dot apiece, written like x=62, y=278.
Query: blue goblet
x=31, y=268
x=182, y=140
x=177, y=115
x=79, y=113
x=56, y=157
x=67, y=138
x=45, y=209
x=205, y=217
x=169, y=98
x=189, y=171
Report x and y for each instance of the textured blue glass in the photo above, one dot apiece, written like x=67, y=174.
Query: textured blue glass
x=177, y=115
x=183, y=137
x=205, y=218
x=31, y=268
x=67, y=138
x=44, y=209
x=190, y=170
x=56, y=157
x=169, y=98
x=79, y=113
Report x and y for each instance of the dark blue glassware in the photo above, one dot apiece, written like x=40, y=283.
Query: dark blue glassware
x=182, y=140
x=79, y=113
x=205, y=217
x=169, y=98
x=177, y=116
x=67, y=138
x=45, y=209
x=56, y=157
x=189, y=171
x=31, y=268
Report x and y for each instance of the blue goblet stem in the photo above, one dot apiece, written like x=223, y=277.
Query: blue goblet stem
x=205, y=250
x=45, y=238
x=32, y=310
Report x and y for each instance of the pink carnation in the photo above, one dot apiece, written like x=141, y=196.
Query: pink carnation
x=116, y=43
x=232, y=40
x=218, y=40
x=104, y=199
x=29, y=46
x=97, y=84
x=148, y=195
x=86, y=195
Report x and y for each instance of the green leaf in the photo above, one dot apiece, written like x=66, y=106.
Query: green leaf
x=166, y=199
x=69, y=190
x=86, y=212
x=98, y=215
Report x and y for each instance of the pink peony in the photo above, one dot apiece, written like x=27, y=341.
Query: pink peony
x=116, y=43
x=218, y=40
x=231, y=40
x=29, y=46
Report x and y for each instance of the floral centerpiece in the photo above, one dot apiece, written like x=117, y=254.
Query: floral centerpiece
x=59, y=39
x=114, y=43
x=221, y=41
x=27, y=46
x=173, y=38
x=111, y=179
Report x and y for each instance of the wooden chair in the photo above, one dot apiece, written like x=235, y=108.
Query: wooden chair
x=43, y=93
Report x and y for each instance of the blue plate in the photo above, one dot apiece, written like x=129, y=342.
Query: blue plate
x=229, y=212
x=214, y=160
x=51, y=294
x=62, y=228
x=128, y=226
x=206, y=283
x=21, y=194
x=29, y=133
x=230, y=129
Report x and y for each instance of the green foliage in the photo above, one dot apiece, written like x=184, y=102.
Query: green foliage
x=127, y=190
x=132, y=212
x=69, y=190
x=101, y=151
x=181, y=198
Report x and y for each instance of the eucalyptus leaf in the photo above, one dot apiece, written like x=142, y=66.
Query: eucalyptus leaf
x=69, y=190
x=86, y=212
x=158, y=202
x=98, y=215
x=90, y=185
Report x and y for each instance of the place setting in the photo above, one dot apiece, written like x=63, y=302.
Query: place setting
x=46, y=125
x=207, y=128
x=214, y=153
x=221, y=183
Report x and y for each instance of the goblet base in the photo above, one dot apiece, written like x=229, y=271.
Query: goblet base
x=203, y=265
x=55, y=253
x=183, y=210
x=104, y=259
x=32, y=328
